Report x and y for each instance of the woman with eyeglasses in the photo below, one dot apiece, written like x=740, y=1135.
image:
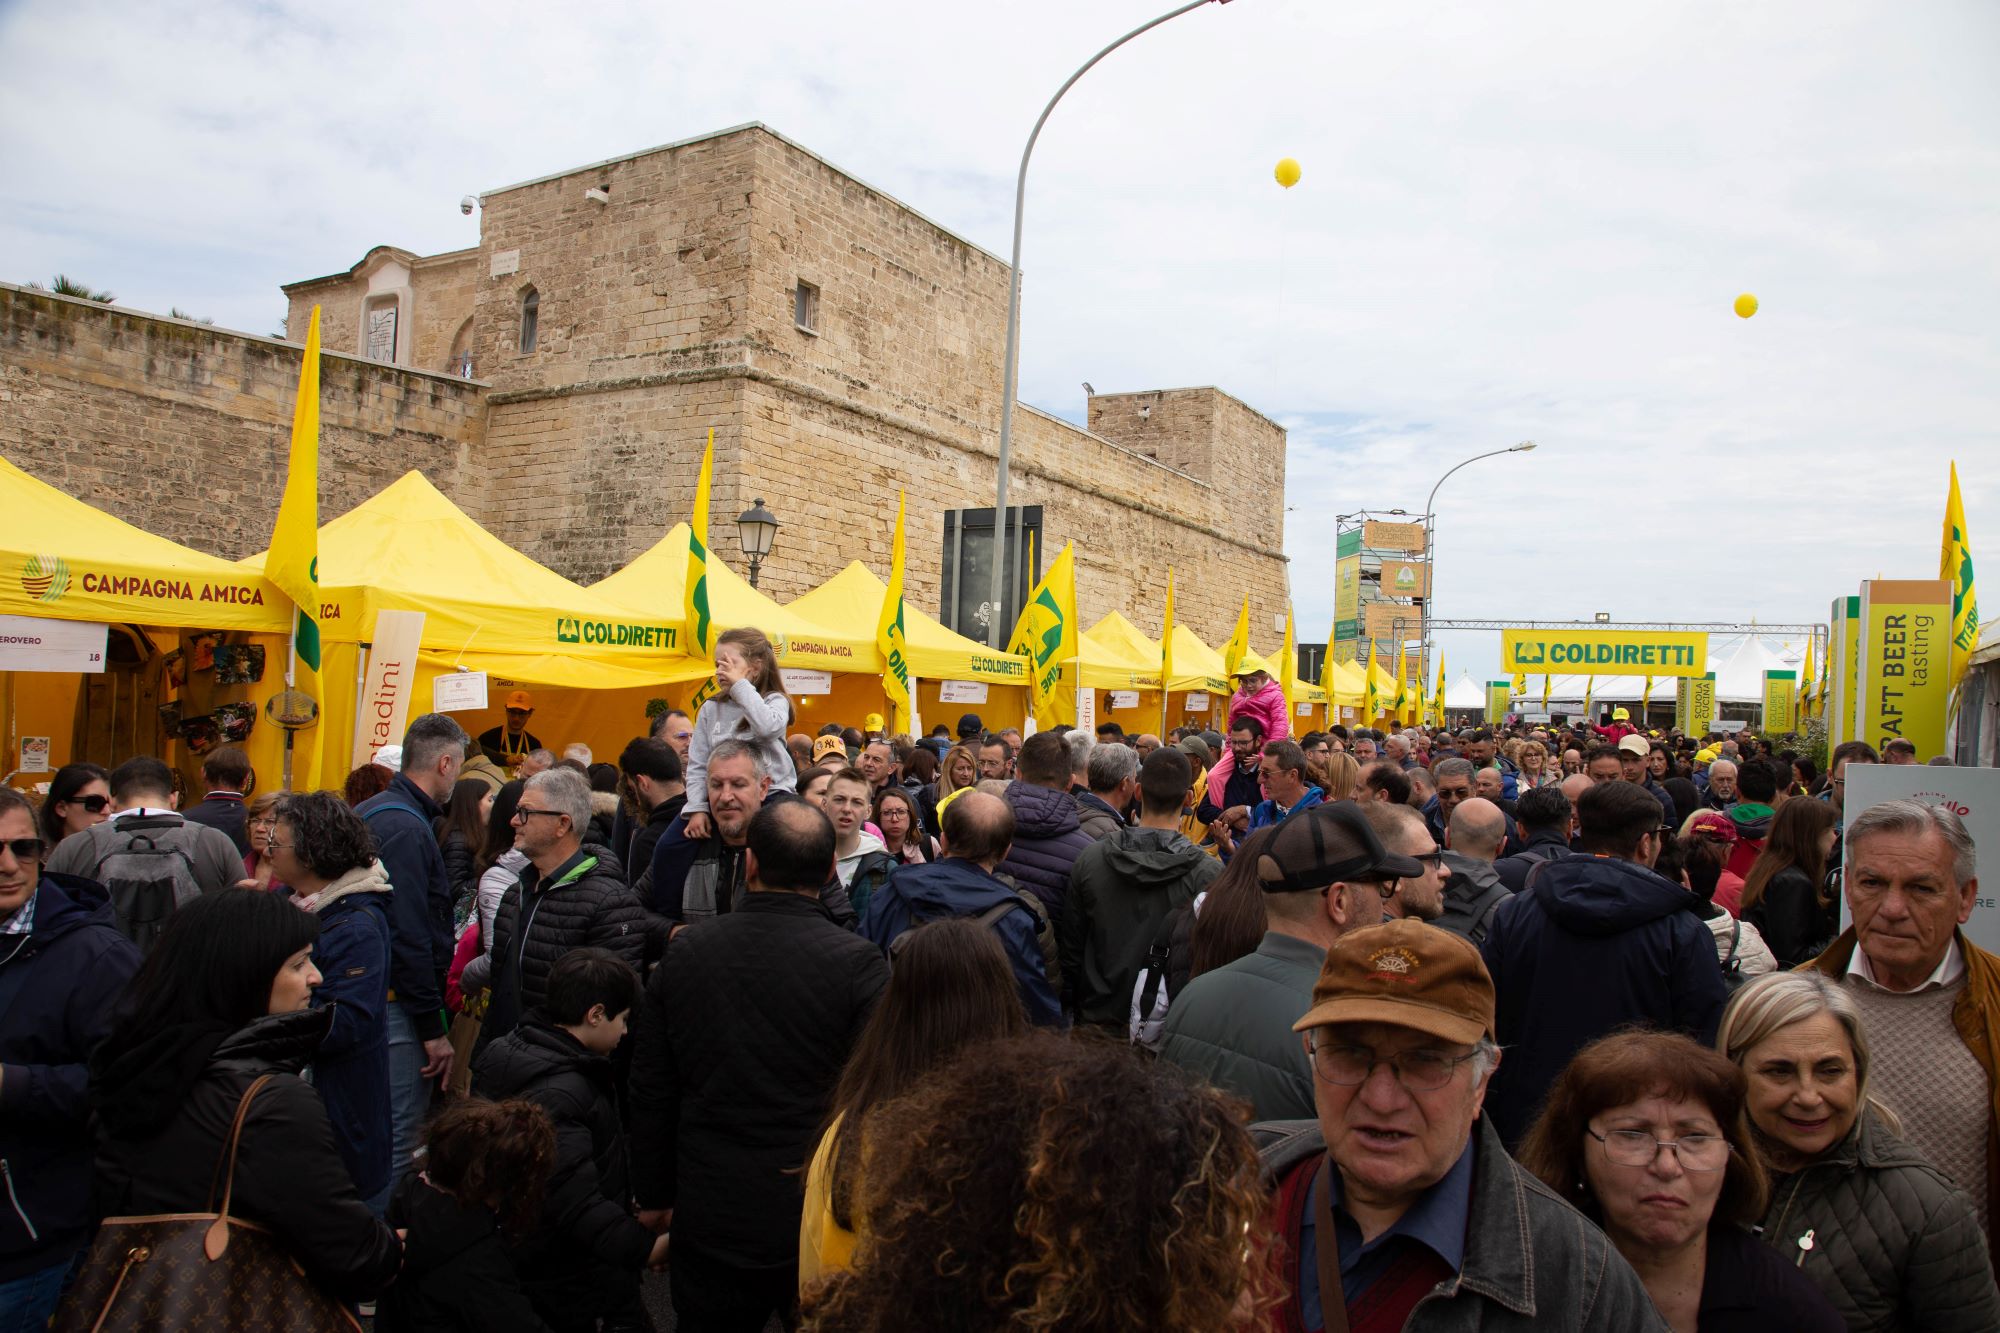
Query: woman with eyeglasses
x=1884, y=1234
x=79, y=796
x=1647, y=1134
x=258, y=822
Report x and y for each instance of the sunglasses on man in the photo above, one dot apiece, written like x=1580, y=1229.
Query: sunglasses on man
x=24, y=849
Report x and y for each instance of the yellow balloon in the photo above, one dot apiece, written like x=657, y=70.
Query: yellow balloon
x=1746, y=306
x=1288, y=172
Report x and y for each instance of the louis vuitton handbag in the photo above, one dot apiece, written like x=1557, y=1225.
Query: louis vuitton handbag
x=183, y=1271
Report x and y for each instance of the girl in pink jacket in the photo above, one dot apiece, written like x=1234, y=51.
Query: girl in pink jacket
x=1260, y=697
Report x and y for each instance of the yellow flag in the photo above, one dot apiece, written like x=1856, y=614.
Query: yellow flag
x=1437, y=699
x=1955, y=565
x=1548, y=687
x=695, y=605
x=1326, y=669
x=1814, y=686
x=889, y=635
x=1167, y=657
x=1288, y=668
x=1519, y=685
x=292, y=562
x=1047, y=635
x=1644, y=700
x=1238, y=646
x=1590, y=700
x=1372, y=702
x=1402, y=699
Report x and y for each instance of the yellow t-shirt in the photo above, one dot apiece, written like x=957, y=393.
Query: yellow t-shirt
x=824, y=1245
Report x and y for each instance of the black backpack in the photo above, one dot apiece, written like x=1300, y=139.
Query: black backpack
x=147, y=879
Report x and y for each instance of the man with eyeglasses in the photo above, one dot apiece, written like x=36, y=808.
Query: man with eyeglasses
x=1596, y=942
x=571, y=895
x=63, y=965
x=1397, y=1204
x=1403, y=831
x=1322, y=874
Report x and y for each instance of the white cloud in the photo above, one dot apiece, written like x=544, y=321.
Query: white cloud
x=1516, y=222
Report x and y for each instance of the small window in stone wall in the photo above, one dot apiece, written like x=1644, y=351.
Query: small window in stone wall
x=805, y=307
x=531, y=313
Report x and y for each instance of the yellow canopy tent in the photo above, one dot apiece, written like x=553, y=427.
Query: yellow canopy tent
x=1118, y=658
x=65, y=560
x=486, y=608
x=852, y=599
x=657, y=578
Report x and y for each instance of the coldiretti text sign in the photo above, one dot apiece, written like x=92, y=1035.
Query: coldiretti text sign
x=1604, y=652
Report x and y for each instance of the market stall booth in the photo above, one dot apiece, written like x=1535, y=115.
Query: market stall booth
x=1121, y=668
x=491, y=618
x=955, y=675
x=116, y=643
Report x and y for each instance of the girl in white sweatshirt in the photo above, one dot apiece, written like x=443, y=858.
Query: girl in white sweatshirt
x=750, y=705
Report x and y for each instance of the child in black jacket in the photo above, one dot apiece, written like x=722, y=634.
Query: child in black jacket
x=485, y=1172
x=583, y=1260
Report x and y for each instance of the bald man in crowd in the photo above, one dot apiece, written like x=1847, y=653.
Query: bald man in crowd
x=1473, y=840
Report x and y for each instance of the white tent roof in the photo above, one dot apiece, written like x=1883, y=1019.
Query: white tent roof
x=1465, y=694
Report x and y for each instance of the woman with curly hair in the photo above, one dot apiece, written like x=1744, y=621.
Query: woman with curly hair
x=1043, y=1183
x=326, y=854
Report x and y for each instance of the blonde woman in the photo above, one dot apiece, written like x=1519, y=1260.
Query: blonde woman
x=1343, y=774
x=1886, y=1236
x=1533, y=768
x=959, y=770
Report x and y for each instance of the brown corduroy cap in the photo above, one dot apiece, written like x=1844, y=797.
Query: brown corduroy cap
x=1408, y=973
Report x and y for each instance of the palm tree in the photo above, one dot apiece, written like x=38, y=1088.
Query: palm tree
x=63, y=286
x=177, y=313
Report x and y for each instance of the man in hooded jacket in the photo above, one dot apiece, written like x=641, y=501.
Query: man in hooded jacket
x=1048, y=833
x=1597, y=942
x=1122, y=889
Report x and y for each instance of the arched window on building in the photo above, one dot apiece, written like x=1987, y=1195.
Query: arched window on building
x=531, y=310
x=460, y=361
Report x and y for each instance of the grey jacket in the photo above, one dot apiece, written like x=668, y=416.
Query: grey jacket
x=1233, y=1027
x=1470, y=896
x=1532, y=1262
x=1895, y=1245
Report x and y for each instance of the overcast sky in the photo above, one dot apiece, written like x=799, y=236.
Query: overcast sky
x=1519, y=221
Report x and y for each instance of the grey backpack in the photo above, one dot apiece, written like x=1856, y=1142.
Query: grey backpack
x=148, y=875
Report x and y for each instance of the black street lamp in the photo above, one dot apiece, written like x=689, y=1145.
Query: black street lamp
x=756, y=528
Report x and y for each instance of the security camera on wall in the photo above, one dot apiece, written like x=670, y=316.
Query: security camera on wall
x=465, y=205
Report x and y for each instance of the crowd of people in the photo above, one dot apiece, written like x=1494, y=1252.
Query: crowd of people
x=1518, y=1027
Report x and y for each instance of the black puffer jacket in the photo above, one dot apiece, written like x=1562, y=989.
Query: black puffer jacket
x=1048, y=837
x=742, y=1035
x=1895, y=1245
x=457, y=1274
x=586, y=1217
x=586, y=903
x=154, y=1158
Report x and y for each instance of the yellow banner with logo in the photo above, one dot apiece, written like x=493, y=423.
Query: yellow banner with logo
x=1498, y=694
x=891, y=638
x=1605, y=652
x=1048, y=635
x=1905, y=662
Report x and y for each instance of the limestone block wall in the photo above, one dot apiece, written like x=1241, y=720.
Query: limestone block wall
x=184, y=429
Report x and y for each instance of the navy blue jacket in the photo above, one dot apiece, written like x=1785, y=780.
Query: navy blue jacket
x=351, y=1067
x=1048, y=837
x=916, y=894
x=420, y=902
x=58, y=986
x=1594, y=944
